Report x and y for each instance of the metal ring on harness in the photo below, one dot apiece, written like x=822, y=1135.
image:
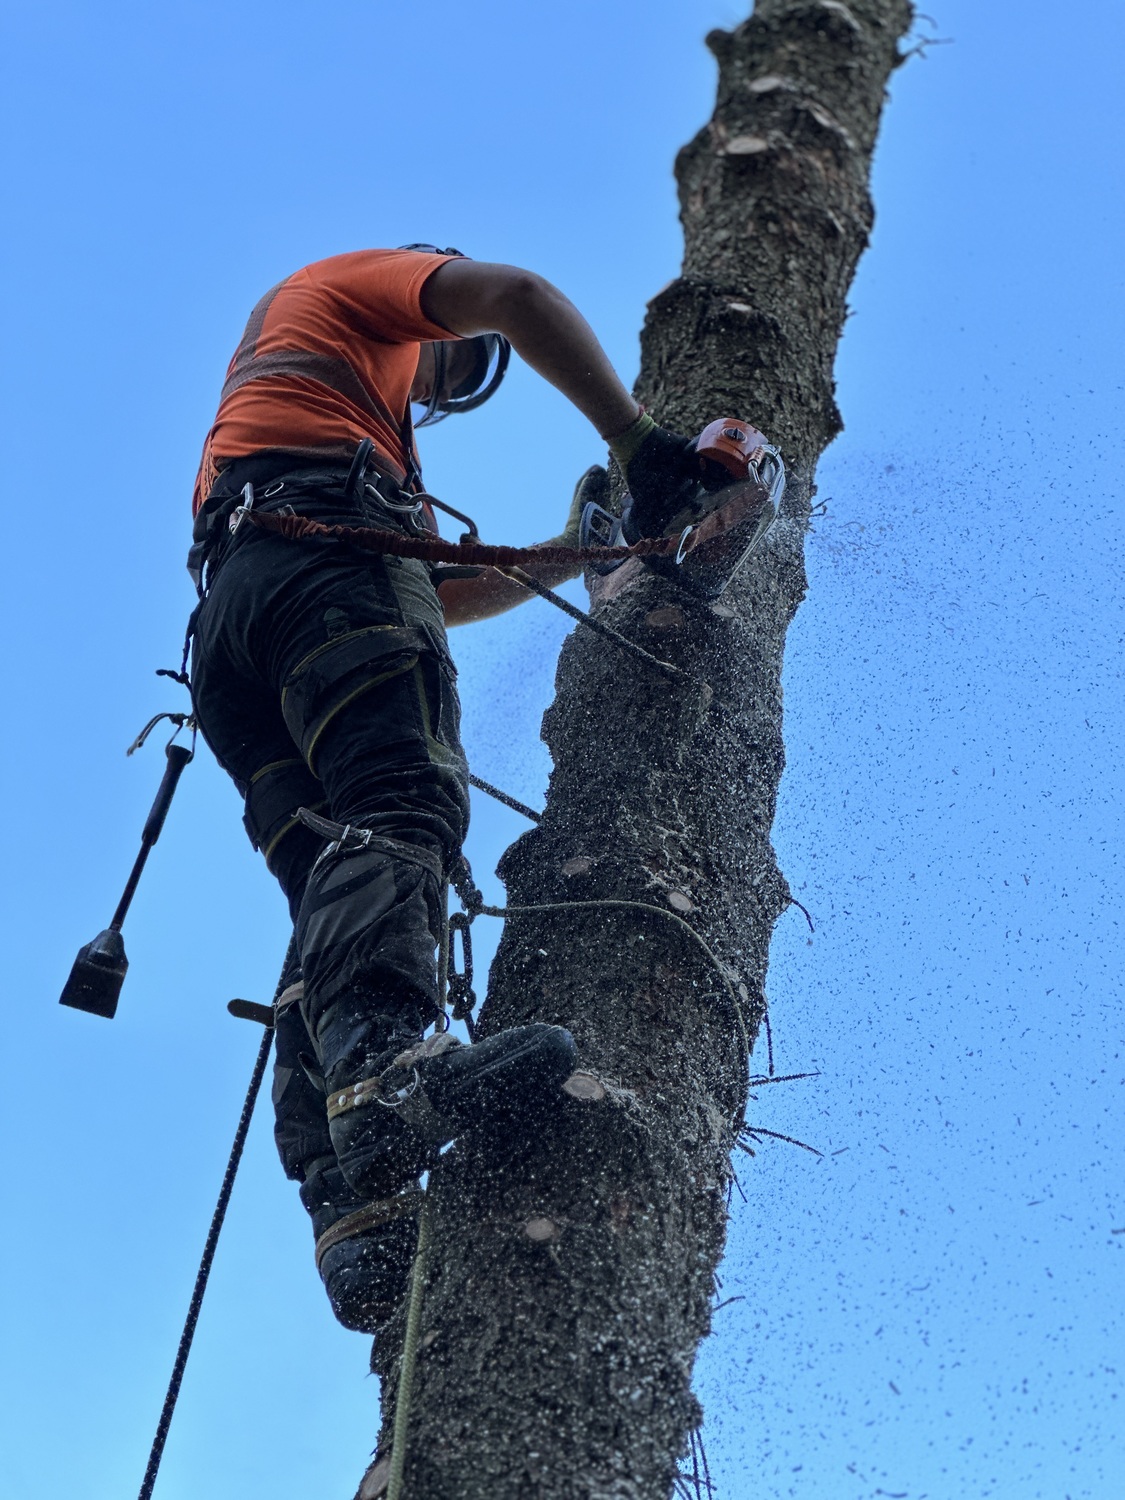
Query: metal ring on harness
x=411, y=509
x=400, y=1096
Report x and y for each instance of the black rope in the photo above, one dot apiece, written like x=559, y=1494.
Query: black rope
x=201, y=1277
x=518, y=575
x=504, y=797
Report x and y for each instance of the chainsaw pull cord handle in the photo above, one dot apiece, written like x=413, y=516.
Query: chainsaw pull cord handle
x=178, y=757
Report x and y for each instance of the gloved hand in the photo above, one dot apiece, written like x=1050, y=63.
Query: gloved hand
x=593, y=485
x=660, y=470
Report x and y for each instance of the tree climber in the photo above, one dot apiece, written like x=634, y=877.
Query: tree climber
x=322, y=680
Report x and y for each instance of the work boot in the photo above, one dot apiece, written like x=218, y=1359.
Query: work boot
x=364, y=1251
x=433, y=1091
x=358, y=1036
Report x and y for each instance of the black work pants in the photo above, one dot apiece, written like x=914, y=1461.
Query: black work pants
x=322, y=679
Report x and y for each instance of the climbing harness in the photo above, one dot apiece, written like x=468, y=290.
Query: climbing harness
x=348, y=836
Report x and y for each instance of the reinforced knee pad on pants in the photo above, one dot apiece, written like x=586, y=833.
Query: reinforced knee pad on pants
x=368, y=920
x=300, y=1118
x=329, y=678
x=272, y=799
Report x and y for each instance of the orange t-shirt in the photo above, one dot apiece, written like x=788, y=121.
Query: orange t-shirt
x=327, y=359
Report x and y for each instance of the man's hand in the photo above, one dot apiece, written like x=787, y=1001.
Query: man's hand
x=659, y=468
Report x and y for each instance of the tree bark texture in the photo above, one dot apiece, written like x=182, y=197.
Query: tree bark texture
x=572, y=1275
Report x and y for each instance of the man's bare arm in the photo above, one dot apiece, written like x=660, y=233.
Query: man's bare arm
x=491, y=593
x=466, y=600
x=549, y=333
x=544, y=328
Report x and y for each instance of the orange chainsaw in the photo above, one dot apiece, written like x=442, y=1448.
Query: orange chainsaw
x=721, y=512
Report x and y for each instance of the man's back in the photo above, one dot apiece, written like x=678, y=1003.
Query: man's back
x=327, y=359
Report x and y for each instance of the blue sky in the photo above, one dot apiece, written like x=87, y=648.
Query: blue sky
x=933, y=1309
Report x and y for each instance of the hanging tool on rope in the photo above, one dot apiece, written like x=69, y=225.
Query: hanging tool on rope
x=94, y=983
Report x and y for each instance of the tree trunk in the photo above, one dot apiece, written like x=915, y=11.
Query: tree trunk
x=571, y=1277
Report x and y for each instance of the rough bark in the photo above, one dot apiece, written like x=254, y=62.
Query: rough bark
x=558, y=1363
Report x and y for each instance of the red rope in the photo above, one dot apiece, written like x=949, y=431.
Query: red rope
x=479, y=554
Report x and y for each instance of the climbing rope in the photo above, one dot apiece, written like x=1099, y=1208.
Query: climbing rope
x=508, y=801
x=409, y=1353
x=472, y=553
x=206, y=1260
x=599, y=627
x=476, y=904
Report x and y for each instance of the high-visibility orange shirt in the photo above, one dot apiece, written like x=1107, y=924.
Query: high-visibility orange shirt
x=327, y=359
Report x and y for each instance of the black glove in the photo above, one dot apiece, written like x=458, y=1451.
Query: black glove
x=661, y=471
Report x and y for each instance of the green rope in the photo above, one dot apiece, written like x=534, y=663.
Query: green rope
x=409, y=1354
x=712, y=956
x=418, y=1269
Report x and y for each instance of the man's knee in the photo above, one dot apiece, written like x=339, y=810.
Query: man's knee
x=338, y=673
x=372, y=920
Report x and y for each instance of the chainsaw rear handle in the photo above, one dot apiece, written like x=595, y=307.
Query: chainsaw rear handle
x=178, y=758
